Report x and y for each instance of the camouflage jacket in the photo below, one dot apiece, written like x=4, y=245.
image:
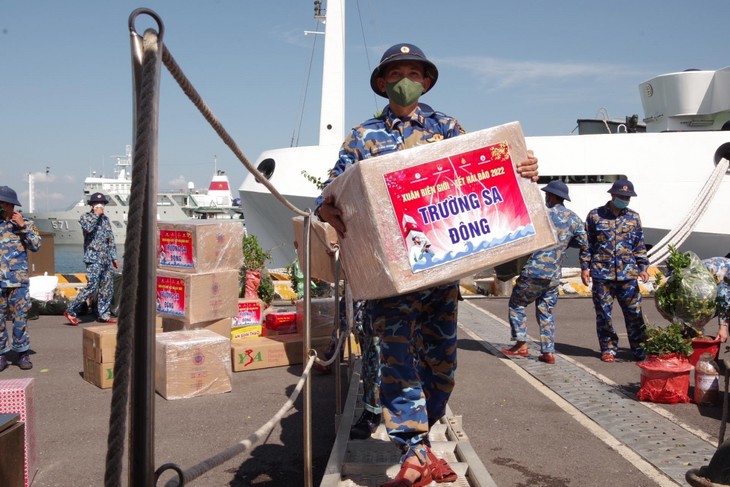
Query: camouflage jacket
x=14, y=244
x=617, y=249
x=99, y=245
x=570, y=231
x=388, y=133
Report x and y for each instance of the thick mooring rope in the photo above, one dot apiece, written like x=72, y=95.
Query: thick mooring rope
x=660, y=252
x=132, y=255
x=197, y=470
x=193, y=95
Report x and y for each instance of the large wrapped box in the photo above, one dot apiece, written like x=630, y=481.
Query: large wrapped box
x=17, y=396
x=200, y=245
x=222, y=327
x=192, y=363
x=323, y=235
x=438, y=212
x=194, y=298
x=266, y=352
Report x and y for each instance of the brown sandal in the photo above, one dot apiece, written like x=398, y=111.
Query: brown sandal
x=441, y=471
x=401, y=481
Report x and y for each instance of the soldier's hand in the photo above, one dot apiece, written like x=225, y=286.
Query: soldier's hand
x=528, y=167
x=18, y=219
x=329, y=213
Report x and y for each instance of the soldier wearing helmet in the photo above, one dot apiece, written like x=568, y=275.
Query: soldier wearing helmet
x=539, y=279
x=617, y=260
x=100, y=257
x=18, y=235
x=412, y=401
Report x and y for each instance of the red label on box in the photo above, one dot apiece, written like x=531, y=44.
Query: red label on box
x=249, y=313
x=457, y=206
x=171, y=295
x=176, y=248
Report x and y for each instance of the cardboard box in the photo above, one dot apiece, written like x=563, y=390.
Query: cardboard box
x=222, y=327
x=247, y=331
x=200, y=245
x=17, y=396
x=99, y=374
x=192, y=363
x=194, y=298
x=266, y=352
x=438, y=212
x=100, y=343
x=322, y=264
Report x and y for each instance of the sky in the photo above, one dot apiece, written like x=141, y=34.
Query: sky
x=66, y=77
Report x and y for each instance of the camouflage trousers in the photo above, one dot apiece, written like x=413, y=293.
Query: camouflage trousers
x=14, y=305
x=370, y=346
x=629, y=298
x=99, y=283
x=542, y=292
x=417, y=362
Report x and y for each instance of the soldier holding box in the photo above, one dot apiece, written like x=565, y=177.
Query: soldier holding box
x=417, y=330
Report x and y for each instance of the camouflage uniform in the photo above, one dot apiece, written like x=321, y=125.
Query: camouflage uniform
x=14, y=296
x=617, y=256
x=720, y=268
x=540, y=277
x=100, y=251
x=370, y=345
x=417, y=330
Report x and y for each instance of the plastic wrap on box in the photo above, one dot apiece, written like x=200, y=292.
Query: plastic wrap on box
x=100, y=343
x=438, y=212
x=17, y=396
x=200, y=245
x=323, y=235
x=192, y=363
x=194, y=298
x=221, y=326
x=321, y=319
x=250, y=312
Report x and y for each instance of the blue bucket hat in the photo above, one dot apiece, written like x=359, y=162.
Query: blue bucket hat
x=622, y=187
x=8, y=195
x=558, y=188
x=97, y=199
x=403, y=52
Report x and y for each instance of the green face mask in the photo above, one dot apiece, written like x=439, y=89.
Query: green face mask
x=405, y=92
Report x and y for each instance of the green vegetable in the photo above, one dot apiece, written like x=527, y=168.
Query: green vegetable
x=663, y=341
x=689, y=295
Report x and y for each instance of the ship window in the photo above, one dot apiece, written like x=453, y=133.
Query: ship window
x=117, y=224
x=179, y=199
x=163, y=200
x=583, y=178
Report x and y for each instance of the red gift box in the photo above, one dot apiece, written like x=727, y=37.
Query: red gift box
x=282, y=322
x=17, y=396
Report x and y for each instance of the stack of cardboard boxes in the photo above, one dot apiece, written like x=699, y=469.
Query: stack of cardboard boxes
x=197, y=298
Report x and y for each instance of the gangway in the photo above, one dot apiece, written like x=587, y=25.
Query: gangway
x=370, y=462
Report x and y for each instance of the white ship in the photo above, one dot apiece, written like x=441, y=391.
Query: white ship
x=215, y=202
x=687, y=125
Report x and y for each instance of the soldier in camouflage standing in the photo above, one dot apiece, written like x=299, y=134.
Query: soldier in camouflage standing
x=417, y=330
x=100, y=257
x=540, y=277
x=617, y=259
x=17, y=236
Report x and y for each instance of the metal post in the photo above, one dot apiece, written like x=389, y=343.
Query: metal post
x=307, y=398
x=146, y=72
